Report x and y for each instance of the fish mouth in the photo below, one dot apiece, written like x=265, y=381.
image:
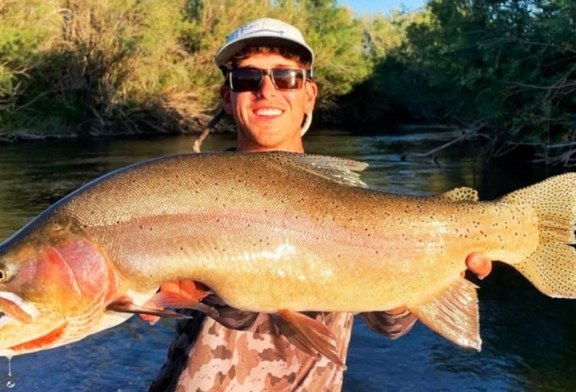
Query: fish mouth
x=12, y=307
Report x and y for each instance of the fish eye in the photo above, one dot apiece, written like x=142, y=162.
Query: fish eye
x=3, y=275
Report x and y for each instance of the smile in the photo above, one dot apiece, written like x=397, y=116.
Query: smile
x=268, y=112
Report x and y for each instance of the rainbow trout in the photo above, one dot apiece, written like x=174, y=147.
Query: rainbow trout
x=278, y=233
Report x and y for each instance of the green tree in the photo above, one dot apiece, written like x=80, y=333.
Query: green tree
x=131, y=66
x=501, y=67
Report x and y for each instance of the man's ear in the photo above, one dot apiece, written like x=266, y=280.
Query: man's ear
x=226, y=95
x=311, y=94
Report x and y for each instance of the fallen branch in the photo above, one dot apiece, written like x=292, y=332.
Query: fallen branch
x=433, y=154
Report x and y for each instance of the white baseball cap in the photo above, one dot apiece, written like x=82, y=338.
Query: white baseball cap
x=264, y=32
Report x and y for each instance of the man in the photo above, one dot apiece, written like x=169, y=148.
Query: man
x=270, y=92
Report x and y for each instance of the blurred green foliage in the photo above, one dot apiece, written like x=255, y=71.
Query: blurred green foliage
x=503, y=70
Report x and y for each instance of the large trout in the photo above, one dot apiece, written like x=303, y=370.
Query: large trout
x=278, y=233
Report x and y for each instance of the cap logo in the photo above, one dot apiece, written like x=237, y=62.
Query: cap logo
x=258, y=28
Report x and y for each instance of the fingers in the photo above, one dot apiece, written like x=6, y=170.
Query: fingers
x=479, y=264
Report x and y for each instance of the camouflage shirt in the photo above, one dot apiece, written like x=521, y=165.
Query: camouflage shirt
x=206, y=356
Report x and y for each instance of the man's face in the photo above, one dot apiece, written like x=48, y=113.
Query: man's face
x=269, y=119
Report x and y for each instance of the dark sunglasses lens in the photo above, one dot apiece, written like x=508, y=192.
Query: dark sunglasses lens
x=245, y=79
x=288, y=79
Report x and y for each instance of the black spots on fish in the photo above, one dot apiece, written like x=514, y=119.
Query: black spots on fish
x=219, y=250
x=368, y=232
x=241, y=181
x=457, y=231
x=335, y=204
x=483, y=234
x=55, y=226
x=463, y=233
x=222, y=203
x=302, y=200
x=452, y=219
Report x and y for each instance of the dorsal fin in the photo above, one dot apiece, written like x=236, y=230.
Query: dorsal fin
x=340, y=170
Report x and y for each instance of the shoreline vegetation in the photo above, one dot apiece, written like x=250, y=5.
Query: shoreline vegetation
x=501, y=71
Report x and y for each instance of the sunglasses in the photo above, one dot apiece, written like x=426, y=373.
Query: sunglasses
x=250, y=79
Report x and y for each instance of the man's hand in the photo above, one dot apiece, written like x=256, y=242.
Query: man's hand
x=479, y=264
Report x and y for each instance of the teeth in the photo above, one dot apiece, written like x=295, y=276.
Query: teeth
x=269, y=112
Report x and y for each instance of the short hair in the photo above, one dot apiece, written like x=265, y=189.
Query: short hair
x=282, y=51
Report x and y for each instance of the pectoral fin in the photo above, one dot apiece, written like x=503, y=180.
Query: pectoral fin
x=391, y=324
x=453, y=314
x=124, y=305
x=180, y=294
x=309, y=335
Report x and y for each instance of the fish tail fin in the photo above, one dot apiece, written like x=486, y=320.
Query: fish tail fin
x=552, y=266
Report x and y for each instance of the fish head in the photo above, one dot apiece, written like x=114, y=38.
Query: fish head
x=55, y=284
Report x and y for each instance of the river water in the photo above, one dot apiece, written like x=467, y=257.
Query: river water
x=529, y=340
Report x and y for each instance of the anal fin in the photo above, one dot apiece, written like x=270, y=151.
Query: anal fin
x=453, y=314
